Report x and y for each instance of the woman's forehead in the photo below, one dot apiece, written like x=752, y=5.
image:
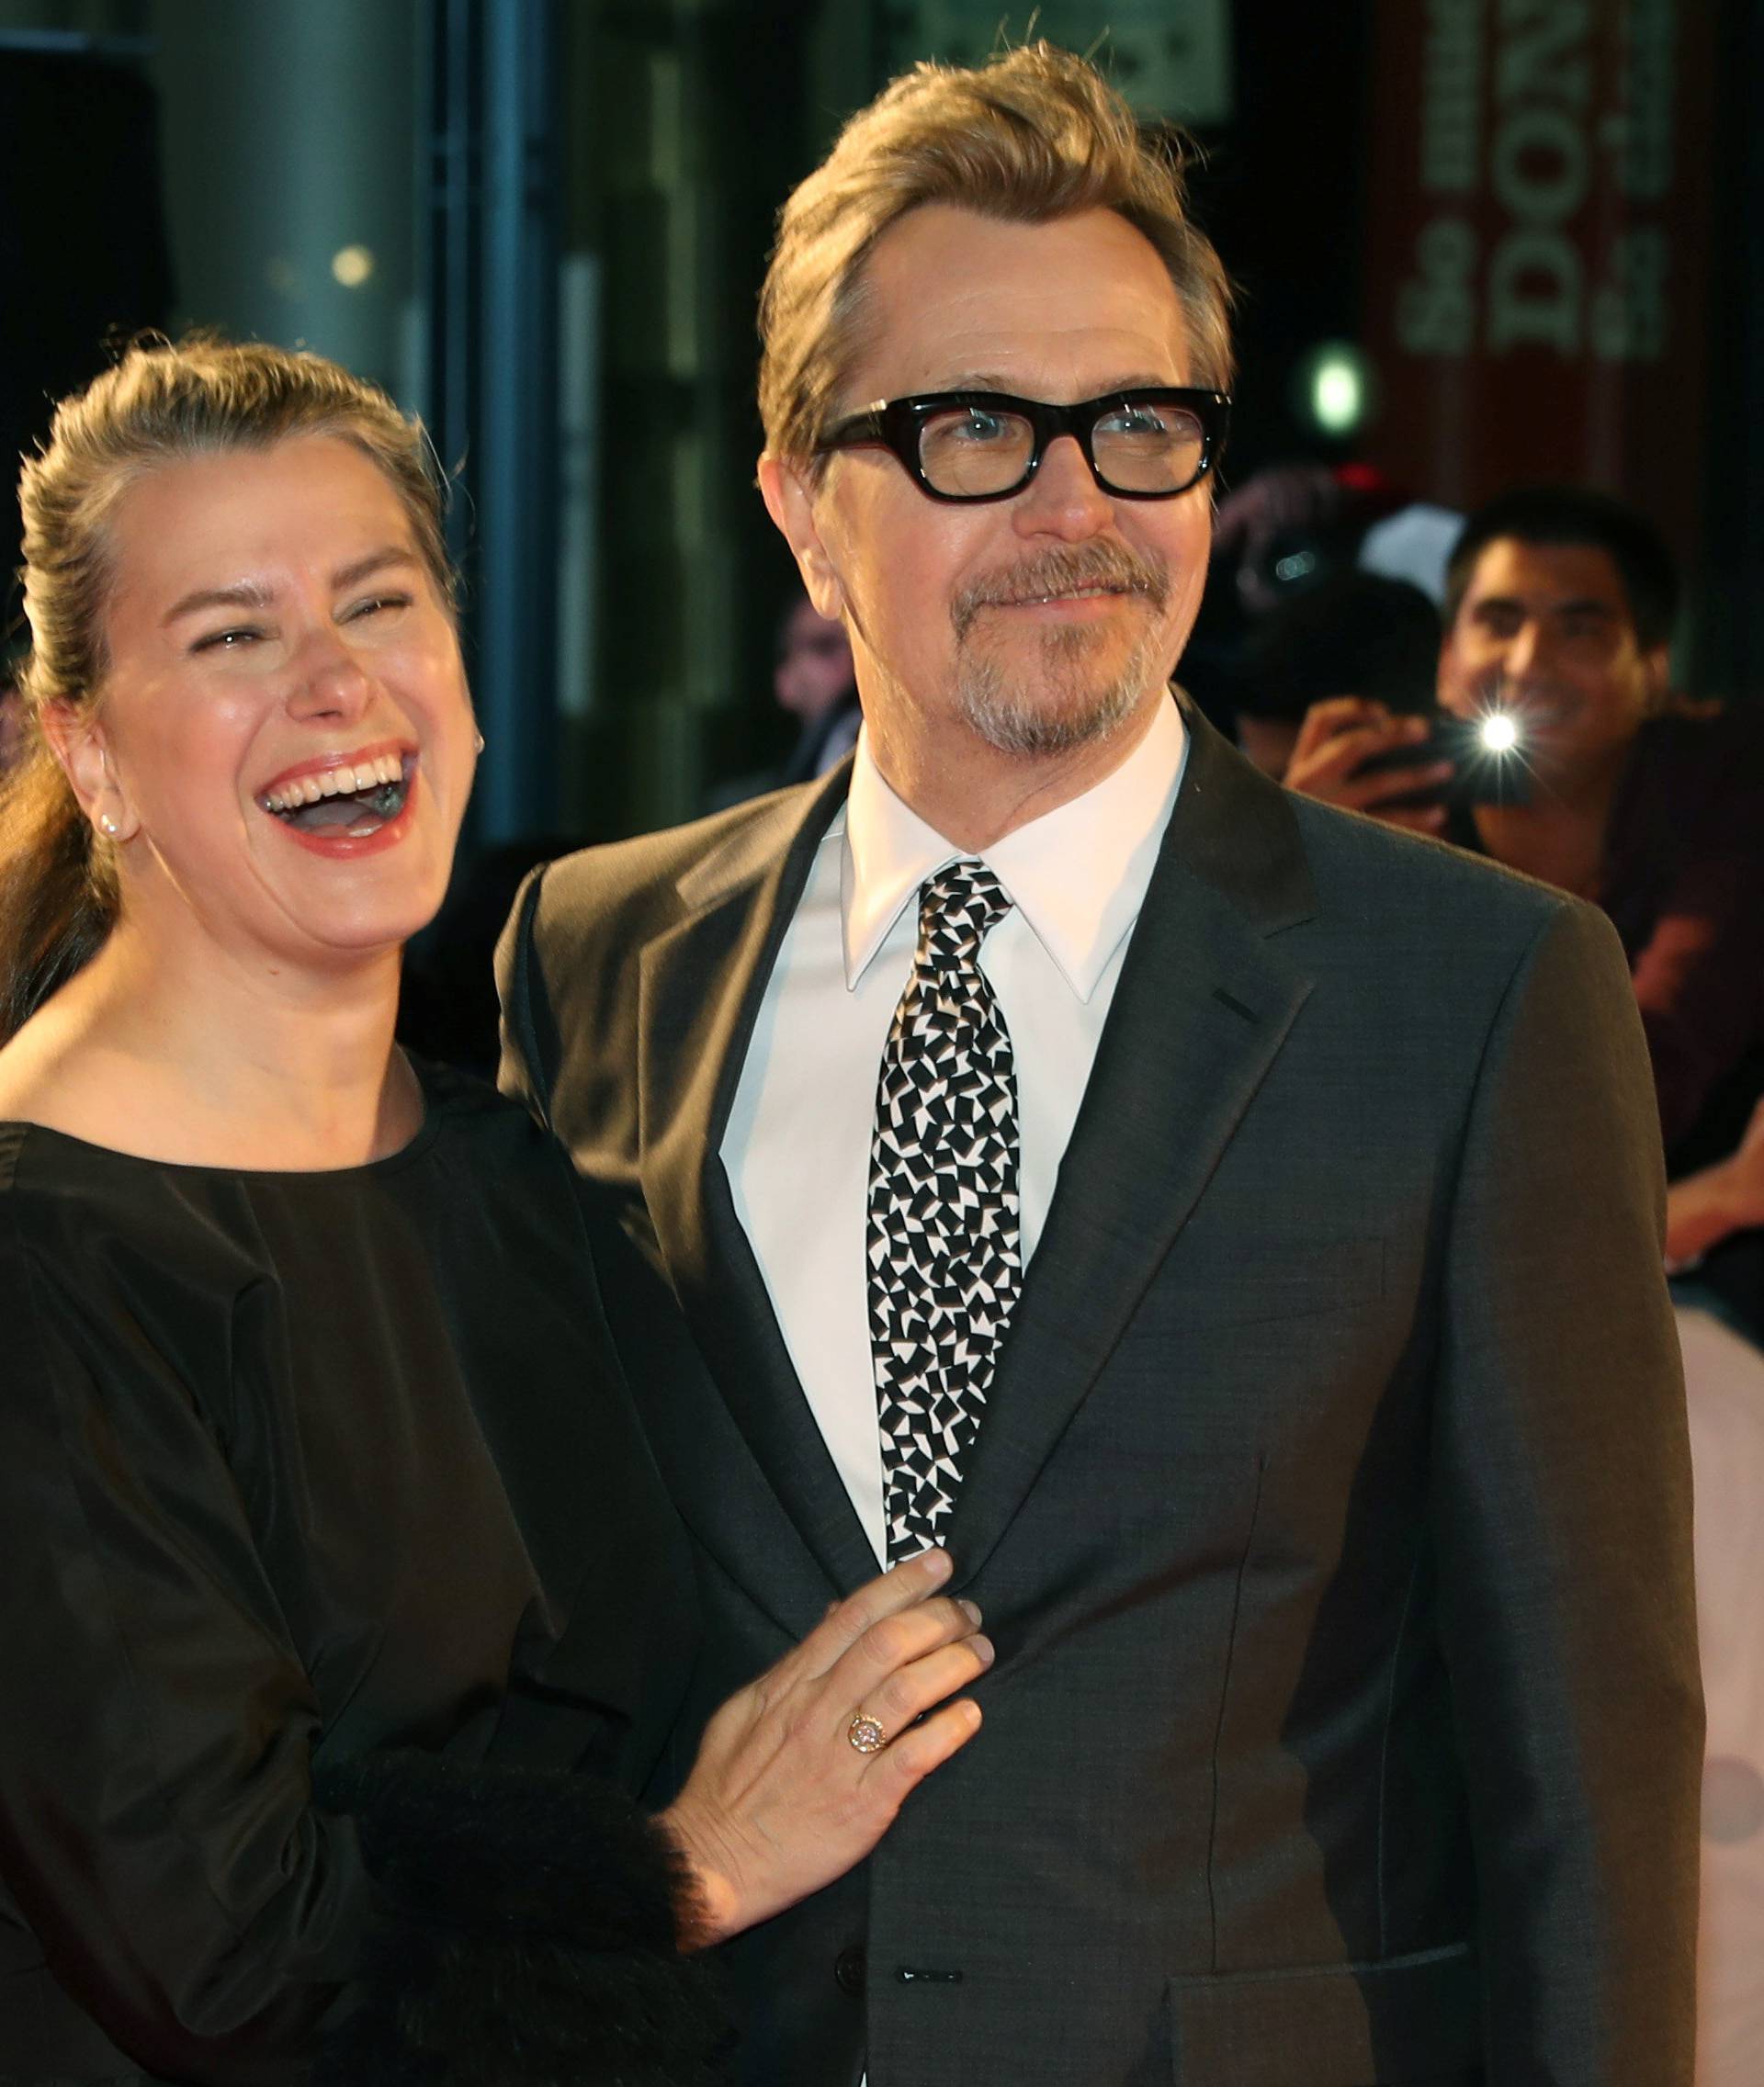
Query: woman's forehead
x=312, y=503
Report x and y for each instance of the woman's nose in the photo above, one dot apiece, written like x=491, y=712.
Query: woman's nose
x=329, y=682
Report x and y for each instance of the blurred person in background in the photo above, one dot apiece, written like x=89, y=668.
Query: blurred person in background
x=1350, y=631
x=1289, y=525
x=814, y=681
x=1279, y=532
x=1559, y=614
x=1279, y=536
x=342, y=1613
x=1228, y=1221
x=811, y=682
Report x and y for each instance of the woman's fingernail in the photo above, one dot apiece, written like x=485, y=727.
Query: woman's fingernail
x=970, y=1610
x=984, y=1649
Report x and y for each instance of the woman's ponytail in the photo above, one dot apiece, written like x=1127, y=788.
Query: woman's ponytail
x=57, y=900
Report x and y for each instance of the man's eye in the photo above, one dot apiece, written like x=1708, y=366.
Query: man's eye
x=975, y=426
x=1133, y=419
x=1150, y=424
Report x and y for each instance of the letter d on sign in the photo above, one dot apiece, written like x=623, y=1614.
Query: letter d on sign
x=1534, y=292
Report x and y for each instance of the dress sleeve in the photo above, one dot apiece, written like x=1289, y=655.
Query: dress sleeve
x=159, y=1829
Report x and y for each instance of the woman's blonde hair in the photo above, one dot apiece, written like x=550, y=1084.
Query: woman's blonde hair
x=164, y=403
x=1036, y=135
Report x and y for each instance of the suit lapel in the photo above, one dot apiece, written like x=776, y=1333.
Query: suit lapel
x=1201, y=1011
x=701, y=985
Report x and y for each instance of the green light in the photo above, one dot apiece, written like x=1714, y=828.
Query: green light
x=1338, y=397
x=1333, y=389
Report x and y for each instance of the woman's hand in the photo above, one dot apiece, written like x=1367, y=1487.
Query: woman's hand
x=780, y=1800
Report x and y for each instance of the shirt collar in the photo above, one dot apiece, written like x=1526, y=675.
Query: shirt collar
x=1077, y=873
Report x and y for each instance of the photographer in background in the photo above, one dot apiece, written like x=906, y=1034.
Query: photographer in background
x=1559, y=611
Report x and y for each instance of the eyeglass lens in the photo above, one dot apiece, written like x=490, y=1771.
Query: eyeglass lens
x=1140, y=447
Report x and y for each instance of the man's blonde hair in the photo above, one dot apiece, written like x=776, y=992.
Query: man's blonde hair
x=1034, y=135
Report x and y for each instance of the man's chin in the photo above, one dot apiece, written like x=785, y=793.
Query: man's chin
x=1036, y=722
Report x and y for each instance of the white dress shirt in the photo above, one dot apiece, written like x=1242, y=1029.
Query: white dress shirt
x=798, y=1146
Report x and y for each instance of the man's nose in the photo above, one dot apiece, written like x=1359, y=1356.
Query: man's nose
x=1527, y=650
x=1063, y=498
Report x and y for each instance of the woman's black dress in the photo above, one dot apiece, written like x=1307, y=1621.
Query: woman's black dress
x=296, y=1469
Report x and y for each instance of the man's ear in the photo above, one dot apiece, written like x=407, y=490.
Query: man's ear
x=790, y=501
x=77, y=741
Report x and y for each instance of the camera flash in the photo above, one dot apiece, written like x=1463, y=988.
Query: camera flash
x=1498, y=733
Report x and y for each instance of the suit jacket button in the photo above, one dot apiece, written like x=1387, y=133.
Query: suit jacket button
x=848, y=1969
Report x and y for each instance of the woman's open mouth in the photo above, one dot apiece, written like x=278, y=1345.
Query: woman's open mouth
x=341, y=809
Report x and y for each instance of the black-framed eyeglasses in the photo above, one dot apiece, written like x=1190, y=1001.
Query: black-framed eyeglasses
x=1149, y=444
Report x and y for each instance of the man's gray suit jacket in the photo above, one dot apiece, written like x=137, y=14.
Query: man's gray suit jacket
x=1331, y=1508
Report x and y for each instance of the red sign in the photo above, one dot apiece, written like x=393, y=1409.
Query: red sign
x=1538, y=233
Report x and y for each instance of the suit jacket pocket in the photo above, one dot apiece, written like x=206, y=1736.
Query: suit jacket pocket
x=1375, y=2025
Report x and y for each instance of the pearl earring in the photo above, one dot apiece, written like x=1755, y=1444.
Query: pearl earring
x=477, y=742
x=110, y=826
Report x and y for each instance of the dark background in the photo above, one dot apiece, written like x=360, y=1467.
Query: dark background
x=567, y=204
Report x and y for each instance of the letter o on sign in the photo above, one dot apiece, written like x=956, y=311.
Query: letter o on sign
x=1539, y=164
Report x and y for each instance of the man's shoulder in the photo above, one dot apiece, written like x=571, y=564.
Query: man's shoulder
x=1434, y=912
x=1344, y=874
x=654, y=878
x=573, y=959
x=1390, y=868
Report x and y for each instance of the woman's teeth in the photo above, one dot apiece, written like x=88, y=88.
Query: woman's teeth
x=333, y=782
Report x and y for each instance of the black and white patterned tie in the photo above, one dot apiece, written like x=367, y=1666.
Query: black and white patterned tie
x=945, y=1264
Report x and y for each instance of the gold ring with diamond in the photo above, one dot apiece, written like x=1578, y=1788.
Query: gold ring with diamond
x=865, y=1734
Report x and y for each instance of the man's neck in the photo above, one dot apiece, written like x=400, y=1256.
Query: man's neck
x=974, y=794
x=1560, y=837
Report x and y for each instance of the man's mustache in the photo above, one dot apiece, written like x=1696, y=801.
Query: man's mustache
x=1061, y=572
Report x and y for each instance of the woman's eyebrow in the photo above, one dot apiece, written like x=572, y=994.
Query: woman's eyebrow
x=254, y=595
x=375, y=562
x=243, y=594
